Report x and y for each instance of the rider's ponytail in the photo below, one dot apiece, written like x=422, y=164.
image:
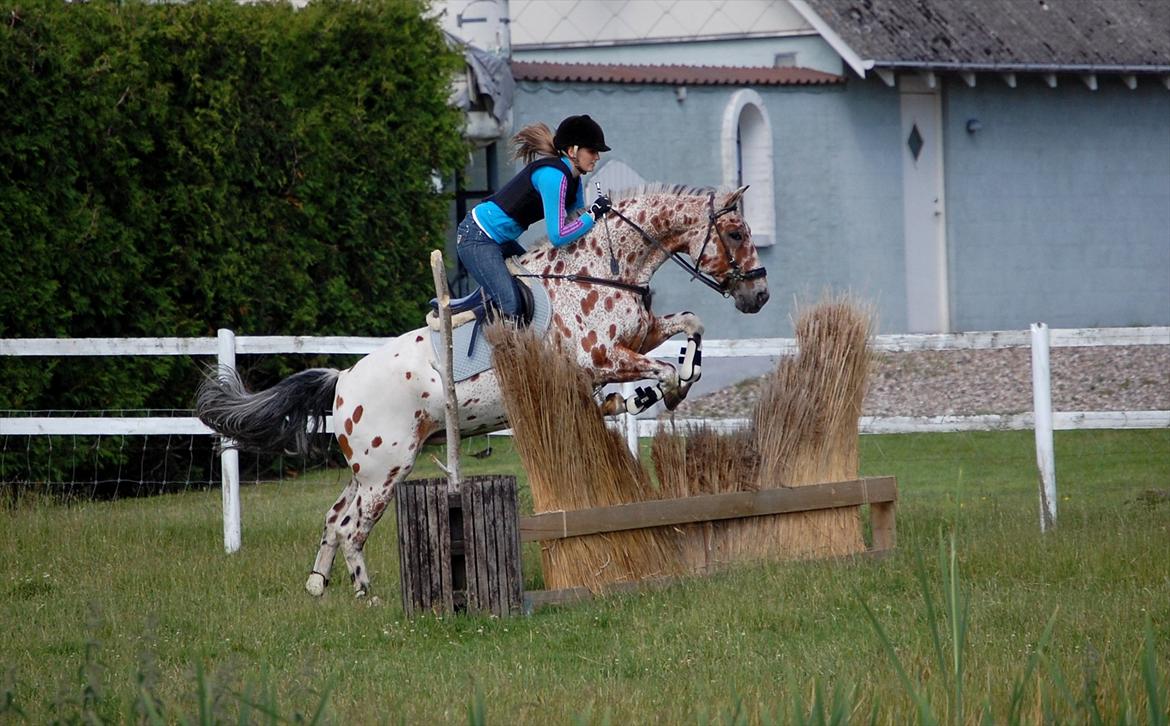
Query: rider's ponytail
x=533, y=141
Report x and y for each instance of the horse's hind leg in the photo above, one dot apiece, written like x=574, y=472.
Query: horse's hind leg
x=319, y=577
x=368, y=506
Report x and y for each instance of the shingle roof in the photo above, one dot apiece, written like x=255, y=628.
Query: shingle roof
x=1131, y=36
x=670, y=75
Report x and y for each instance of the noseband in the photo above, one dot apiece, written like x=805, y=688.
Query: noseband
x=734, y=277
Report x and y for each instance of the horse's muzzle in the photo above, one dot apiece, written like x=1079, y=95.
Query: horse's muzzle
x=750, y=299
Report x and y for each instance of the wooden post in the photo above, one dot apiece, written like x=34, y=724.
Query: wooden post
x=439, y=272
x=460, y=553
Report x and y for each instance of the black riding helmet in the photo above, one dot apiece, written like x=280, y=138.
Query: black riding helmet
x=580, y=131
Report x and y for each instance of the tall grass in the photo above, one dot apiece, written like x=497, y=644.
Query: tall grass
x=117, y=598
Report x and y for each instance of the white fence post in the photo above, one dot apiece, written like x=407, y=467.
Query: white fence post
x=631, y=422
x=229, y=457
x=1042, y=403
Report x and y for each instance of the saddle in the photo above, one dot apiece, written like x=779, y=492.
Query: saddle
x=479, y=306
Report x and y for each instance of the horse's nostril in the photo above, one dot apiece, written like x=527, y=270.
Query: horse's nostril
x=762, y=297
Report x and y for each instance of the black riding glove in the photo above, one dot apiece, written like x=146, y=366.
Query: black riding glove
x=600, y=206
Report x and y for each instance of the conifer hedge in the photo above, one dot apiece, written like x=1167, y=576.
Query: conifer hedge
x=167, y=169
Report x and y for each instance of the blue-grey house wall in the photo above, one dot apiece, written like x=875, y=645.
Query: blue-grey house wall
x=837, y=182
x=1059, y=204
x=1058, y=207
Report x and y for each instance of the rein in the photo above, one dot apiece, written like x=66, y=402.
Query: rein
x=643, y=291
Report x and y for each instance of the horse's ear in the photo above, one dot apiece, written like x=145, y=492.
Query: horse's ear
x=734, y=197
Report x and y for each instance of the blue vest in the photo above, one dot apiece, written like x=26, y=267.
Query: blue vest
x=519, y=198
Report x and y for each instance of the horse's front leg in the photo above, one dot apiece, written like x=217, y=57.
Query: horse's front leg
x=690, y=359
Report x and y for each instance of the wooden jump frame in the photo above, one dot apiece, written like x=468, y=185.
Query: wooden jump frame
x=880, y=493
x=462, y=551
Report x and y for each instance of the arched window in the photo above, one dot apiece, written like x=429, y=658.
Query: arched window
x=747, y=159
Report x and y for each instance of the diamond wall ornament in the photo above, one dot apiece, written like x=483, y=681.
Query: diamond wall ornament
x=915, y=142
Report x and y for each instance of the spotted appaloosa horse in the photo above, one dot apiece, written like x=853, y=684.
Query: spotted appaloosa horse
x=392, y=401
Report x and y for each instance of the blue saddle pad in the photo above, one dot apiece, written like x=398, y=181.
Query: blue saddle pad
x=471, y=352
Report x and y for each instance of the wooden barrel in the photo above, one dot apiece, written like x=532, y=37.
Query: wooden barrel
x=460, y=553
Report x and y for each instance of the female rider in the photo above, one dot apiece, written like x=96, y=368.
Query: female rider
x=549, y=187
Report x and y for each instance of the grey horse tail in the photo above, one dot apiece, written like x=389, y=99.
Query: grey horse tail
x=287, y=417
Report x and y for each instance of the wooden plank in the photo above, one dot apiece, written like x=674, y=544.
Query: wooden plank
x=439, y=494
x=434, y=563
x=515, y=570
x=483, y=584
x=557, y=525
x=503, y=571
x=470, y=545
x=403, y=550
x=881, y=519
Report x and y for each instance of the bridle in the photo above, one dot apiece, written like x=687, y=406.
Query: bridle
x=737, y=274
x=732, y=278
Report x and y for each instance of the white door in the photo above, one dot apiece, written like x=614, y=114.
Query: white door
x=923, y=207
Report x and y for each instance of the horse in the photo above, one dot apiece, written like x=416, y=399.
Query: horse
x=391, y=402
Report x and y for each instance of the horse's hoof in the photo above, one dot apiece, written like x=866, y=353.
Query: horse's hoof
x=361, y=593
x=315, y=585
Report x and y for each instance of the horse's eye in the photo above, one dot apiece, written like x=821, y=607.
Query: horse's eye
x=736, y=236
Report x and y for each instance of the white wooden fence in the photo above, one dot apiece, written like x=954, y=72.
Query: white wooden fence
x=227, y=345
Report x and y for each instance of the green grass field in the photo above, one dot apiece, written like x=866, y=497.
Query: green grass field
x=130, y=610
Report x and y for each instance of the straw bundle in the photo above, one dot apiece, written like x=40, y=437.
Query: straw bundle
x=803, y=431
x=574, y=462
x=695, y=461
x=805, y=427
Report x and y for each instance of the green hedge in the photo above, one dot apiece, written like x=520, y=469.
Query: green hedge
x=169, y=169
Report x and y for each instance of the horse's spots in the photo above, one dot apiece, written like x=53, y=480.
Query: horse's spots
x=408, y=375
x=559, y=267
x=688, y=220
x=642, y=216
x=609, y=303
x=590, y=302
x=345, y=521
x=547, y=270
x=418, y=414
x=346, y=449
x=474, y=378
x=599, y=357
x=357, y=413
x=366, y=452
x=357, y=468
x=395, y=355
x=560, y=323
x=340, y=402
x=589, y=341
x=579, y=319
x=394, y=444
x=679, y=205
x=349, y=426
x=340, y=505
x=393, y=473
x=630, y=258
x=331, y=521
x=612, y=331
x=471, y=418
x=358, y=504
x=378, y=508
x=432, y=380
x=425, y=394
x=418, y=339
x=376, y=442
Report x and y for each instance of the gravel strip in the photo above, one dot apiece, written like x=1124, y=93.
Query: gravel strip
x=968, y=382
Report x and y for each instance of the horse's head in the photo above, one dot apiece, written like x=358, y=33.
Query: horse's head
x=726, y=253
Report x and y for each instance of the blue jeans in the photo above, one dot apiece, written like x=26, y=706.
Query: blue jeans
x=483, y=258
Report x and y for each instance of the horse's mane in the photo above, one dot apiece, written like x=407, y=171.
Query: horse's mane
x=661, y=188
